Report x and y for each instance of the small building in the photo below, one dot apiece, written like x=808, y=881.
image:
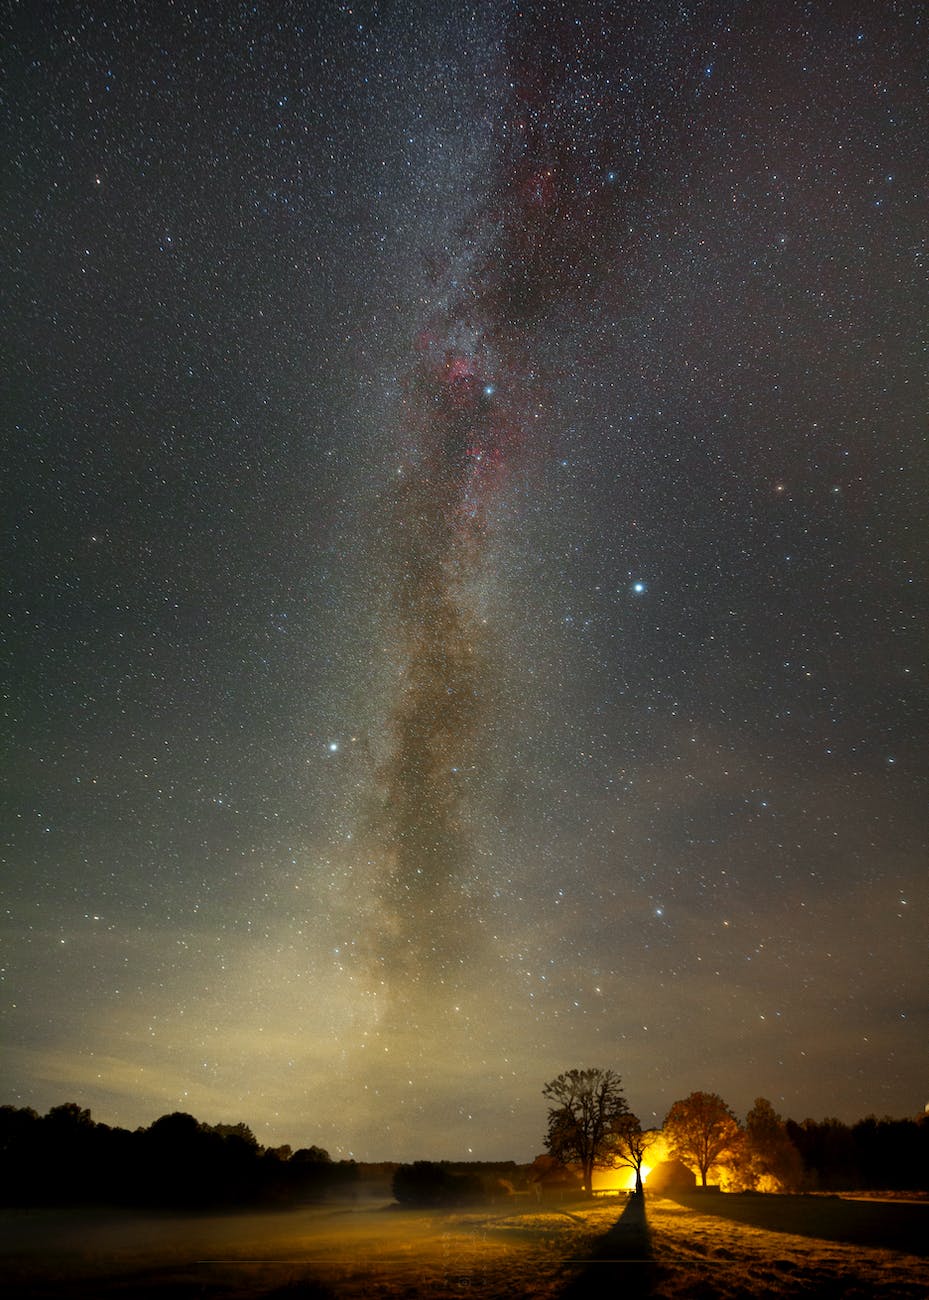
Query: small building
x=671, y=1176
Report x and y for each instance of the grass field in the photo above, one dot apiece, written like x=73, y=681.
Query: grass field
x=696, y=1247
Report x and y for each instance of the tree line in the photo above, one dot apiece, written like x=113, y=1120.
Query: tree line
x=590, y=1126
x=66, y=1158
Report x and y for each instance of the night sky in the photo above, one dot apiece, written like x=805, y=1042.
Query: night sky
x=465, y=562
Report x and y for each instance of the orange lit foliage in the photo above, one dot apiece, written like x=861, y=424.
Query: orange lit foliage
x=769, y=1160
x=702, y=1132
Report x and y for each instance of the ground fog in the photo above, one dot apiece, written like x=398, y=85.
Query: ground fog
x=721, y=1246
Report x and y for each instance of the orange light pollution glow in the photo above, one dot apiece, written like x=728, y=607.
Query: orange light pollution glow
x=623, y=1178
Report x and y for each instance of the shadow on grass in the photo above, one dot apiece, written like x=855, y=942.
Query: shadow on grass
x=902, y=1226
x=621, y=1261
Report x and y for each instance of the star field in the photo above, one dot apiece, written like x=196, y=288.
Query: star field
x=464, y=563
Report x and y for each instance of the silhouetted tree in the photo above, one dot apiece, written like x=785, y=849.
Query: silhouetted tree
x=427, y=1184
x=311, y=1172
x=68, y=1142
x=827, y=1148
x=177, y=1156
x=892, y=1153
x=588, y=1107
x=70, y=1117
x=239, y=1131
x=700, y=1130
x=17, y=1125
x=65, y=1157
x=311, y=1156
x=20, y=1140
x=630, y=1145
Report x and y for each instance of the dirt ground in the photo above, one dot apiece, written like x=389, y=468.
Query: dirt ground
x=695, y=1248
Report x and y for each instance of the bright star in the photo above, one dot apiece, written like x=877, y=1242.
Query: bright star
x=639, y=588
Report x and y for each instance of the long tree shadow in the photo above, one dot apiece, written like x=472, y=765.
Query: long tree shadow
x=893, y=1225
x=621, y=1261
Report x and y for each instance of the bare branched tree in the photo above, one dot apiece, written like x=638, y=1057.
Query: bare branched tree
x=630, y=1145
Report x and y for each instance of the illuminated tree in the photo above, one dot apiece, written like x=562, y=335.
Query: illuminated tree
x=700, y=1130
x=772, y=1162
x=630, y=1145
x=589, y=1105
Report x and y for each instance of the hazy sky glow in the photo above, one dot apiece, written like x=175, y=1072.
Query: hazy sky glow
x=466, y=564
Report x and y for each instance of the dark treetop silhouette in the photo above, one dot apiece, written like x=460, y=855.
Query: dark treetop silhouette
x=588, y=1107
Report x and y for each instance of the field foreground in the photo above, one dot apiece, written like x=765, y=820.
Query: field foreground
x=699, y=1247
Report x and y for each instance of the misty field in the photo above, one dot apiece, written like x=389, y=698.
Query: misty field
x=698, y=1246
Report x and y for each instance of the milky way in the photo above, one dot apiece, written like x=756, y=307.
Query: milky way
x=465, y=562
x=473, y=410
x=465, y=418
